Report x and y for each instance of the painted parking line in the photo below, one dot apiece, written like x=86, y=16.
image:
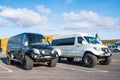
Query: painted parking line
x=93, y=70
x=115, y=60
x=83, y=69
x=6, y=70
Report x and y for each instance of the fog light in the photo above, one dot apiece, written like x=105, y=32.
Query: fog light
x=35, y=56
x=57, y=56
x=53, y=51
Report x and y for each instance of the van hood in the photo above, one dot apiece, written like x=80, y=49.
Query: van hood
x=98, y=45
x=42, y=47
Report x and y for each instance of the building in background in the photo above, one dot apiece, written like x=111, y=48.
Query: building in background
x=0, y=46
x=4, y=42
x=49, y=37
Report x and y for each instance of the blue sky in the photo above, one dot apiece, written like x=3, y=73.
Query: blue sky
x=60, y=16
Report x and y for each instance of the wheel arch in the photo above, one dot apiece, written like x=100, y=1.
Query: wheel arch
x=86, y=52
x=58, y=52
x=27, y=53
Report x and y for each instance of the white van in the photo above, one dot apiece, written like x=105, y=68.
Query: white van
x=82, y=45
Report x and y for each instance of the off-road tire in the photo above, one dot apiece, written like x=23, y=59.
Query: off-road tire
x=90, y=60
x=9, y=61
x=27, y=63
x=106, y=61
x=53, y=62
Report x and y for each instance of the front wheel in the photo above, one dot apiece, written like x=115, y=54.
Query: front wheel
x=53, y=62
x=90, y=60
x=105, y=61
x=27, y=63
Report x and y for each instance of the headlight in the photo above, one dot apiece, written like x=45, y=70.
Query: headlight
x=43, y=52
x=97, y=49
x=36, y=51
x=53, y=51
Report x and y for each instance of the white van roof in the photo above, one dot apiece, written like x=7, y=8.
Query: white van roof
x=71, y=35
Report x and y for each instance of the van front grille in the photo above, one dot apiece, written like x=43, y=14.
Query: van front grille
x=106, y=50
x=46, y=52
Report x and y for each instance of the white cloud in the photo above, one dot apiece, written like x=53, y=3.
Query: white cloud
x=43, y=9
x=88, y=20
x=3, y=22
x=77, y=26
x=82, y=15
x=22, y=17
x=108, y=21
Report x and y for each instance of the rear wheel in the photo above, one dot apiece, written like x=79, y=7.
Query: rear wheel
x=105, y=61
x=90, y=60
x=70, y=59
x=27, y=63
x=8, y=60
x=53, y=62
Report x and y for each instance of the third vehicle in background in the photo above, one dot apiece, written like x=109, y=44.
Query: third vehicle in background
x=114, y=48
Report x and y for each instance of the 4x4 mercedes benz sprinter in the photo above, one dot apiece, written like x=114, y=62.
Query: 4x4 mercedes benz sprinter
x=28, y=48
x=82, y=45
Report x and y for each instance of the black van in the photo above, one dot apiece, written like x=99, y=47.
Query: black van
x=28, y=48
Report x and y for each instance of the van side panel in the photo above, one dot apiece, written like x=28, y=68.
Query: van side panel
x=68, y=46
x=15, y=45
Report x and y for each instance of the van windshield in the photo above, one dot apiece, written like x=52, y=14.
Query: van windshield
x=37, y=39
x=92, y=40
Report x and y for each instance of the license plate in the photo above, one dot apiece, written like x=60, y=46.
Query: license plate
x=107, y=54
x=47, y=56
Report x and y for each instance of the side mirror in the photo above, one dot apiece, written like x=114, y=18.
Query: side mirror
x=26, y=43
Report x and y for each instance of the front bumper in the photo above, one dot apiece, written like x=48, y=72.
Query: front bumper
x=104, y=52
x=39, y=57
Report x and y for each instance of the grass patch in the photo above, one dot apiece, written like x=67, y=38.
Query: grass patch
x=110, y=42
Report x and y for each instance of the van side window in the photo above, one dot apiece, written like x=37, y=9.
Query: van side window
x=62, y=42
x=80, y=39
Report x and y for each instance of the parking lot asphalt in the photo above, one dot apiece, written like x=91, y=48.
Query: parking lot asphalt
x=63, y=71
